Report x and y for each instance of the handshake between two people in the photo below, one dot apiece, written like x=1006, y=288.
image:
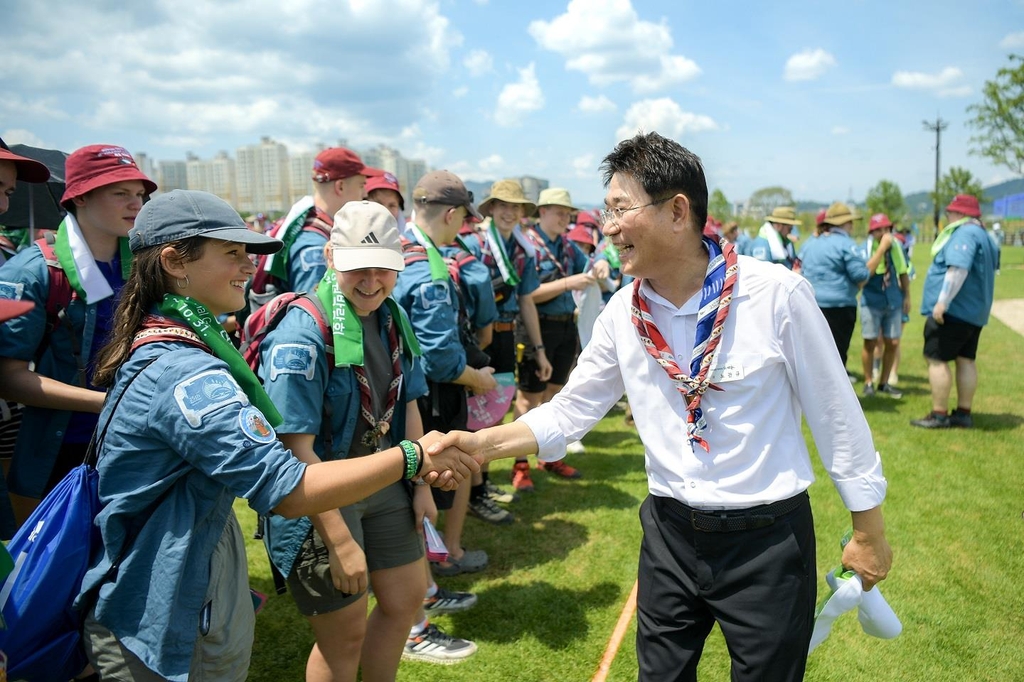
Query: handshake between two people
x=449, y=458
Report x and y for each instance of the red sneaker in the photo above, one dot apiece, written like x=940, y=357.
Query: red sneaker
x=521, y=477
x=560, y=468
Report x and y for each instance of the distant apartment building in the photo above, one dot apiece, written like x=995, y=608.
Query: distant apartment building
x=171, y=175
x=216, y=176
x=300, y=173
x=262, y=177
x=146, y=165
x=532, y=187
x=406, y=171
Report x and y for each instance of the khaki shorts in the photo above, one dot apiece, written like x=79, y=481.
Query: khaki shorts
x=222, y=654
x=383, y=525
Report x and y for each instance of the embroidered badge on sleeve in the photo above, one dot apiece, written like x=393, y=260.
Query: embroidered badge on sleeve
x=433, y=294
x=12, y=290
x=311, y=259
x=293, y=358
x=254, y=425
x=207, y=392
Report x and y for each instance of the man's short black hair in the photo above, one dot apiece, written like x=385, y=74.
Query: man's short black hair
x=663, y=167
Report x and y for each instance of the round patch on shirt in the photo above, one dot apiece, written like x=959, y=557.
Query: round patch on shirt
x=255, y=426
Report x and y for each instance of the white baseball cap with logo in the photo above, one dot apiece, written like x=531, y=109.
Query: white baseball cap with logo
x=365, y=235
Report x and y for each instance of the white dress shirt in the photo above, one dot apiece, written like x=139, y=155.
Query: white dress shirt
x=776, y=361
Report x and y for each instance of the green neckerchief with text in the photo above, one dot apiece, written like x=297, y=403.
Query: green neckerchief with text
x=438, y=267
x=346, y=327
x=195, y=314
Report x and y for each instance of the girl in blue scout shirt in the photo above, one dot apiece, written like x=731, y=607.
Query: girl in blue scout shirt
x=195, y=432
x=365, y=381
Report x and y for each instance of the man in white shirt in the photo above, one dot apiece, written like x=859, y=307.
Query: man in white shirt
x=728, y=533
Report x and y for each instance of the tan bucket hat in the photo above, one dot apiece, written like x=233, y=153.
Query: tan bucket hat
x=783, y=214
x=509, y=191
x=556, y=196
x=839, y=214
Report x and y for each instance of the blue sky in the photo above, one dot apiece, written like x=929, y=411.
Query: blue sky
x=823, y=98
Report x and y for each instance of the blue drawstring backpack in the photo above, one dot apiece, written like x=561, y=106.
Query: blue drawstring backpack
x=52, y=551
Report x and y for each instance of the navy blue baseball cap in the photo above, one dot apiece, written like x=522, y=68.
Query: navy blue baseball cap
x=184, y=213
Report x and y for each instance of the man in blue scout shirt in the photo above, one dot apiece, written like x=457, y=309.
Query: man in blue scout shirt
x=884, y=301
x=339, y=176
x=957, y=299
x=437, y=307
x=772, y=243
x=47, y=363
x=512, y=261
x=562, y=269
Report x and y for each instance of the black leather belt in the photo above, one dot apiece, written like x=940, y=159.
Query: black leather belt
x=732, y=520
x=556, y=318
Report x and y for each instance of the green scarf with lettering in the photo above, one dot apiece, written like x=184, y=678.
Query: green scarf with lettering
x=196, y=315
x=348, y=330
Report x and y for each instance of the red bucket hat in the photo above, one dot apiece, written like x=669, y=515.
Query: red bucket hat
x=878, y=221
x=99, y=165
x=582, y=234
x=338, y=163
x=385, y=181
x=819, y=219
x=966, y=204
x=26, y=169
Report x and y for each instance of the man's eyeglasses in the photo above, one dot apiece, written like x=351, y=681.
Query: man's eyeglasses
x=609, y=215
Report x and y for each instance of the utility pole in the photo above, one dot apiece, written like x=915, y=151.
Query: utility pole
x=937, y=128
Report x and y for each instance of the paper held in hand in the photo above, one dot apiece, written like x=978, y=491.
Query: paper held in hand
x=489, y=408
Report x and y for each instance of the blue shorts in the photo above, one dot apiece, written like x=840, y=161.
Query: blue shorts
x=888, y=321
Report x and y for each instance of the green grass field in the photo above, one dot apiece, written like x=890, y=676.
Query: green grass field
x=560, y=575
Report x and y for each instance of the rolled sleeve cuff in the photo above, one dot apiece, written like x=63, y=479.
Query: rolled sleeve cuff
x=550, y=438
x=863, y=492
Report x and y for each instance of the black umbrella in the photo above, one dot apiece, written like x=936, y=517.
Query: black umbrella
x=37, y=206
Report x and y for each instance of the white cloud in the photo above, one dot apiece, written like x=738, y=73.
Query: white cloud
x=946, y=83
x=1013, y=41
x=808, y=65
x=840, y=130
x=491, y=163
x=518, y=99
x=20, y=136
x=665, y=117
x=609, y=43
x=595, y=105
x=478, y=62
x=216, y=72
x=584, y=166
x=460, y=92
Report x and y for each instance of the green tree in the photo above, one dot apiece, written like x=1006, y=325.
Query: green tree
x=999, y=118
x=719, y=206
x=886, y=197
x=958, y=181
x=765, y=199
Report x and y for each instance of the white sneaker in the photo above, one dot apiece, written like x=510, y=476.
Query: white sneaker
x=575, y=448
x=434, y=646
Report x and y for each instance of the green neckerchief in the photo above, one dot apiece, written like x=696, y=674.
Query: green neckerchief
x=348, y=337
x=496, y=245
x=289, y=233
x=946, y=233
x=438, y=267
x=195, y=314
x=62, y=248
x=611, y=254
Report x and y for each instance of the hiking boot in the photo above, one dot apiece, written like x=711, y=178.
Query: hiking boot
x=560, y=468
x=486, y=509
x=472, y=561
x=575, y=448
x=499, y=495
x=448, y=601
x=961, y=420
x=521, y=477
x=434, y=646
x=932, y=421
x=869, y=391
x=890, y=390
